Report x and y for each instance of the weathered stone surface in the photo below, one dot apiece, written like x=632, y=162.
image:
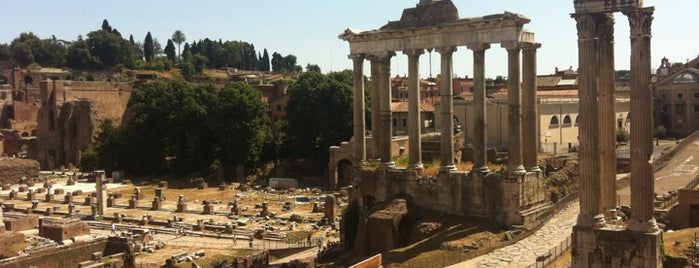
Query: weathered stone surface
x=12, y=169
x=380, y=231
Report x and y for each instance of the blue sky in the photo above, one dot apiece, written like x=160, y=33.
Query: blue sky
x=309, y=28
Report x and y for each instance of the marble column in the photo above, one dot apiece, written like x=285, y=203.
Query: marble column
x=386, y=118
x=642, y=177
x=446, y=93
x=530, y=130
x=514, y=104
x=414, y=122
x=590, y=190
x=359, y=121
x=479, y=108
x=606, y=122
x=375, y=106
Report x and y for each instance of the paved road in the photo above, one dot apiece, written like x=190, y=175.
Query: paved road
x=525, y=251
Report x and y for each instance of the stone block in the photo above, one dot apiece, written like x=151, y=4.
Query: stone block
x=163, y=184
x=23, y=188
x=157, y=204
x=12, y=194
x=41, y=190
x=68, y=198
x=48, y=197
x=209, y=209
x=181, y=207
x=203, y=185
x=110, y=202
x=133, y=203
x=6, y=187
x=77, y=192
x=59, y=191
x=30, y=184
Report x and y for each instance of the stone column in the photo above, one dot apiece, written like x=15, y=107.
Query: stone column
x=100, y=190
x=479, y=108
x=2, y=223
x=447, y=106
x=386, y=122
x=606, y=122
x=642, y=178
x=414, y=121
x=358, y=97
x=514, y=103
x=590, y=209
x=375, y=106
x=530, y=129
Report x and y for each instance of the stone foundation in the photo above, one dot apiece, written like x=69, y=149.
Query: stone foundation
x=59, y=229
x=616, y=248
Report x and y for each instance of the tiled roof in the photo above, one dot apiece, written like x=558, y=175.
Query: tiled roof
x=403, y=107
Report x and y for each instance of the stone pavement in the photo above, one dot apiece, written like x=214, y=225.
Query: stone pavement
x=525, y=251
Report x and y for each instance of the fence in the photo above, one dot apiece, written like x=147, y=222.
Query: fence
x=552, y=254
x=454, y=257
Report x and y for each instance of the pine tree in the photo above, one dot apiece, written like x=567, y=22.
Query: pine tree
x=148, y=48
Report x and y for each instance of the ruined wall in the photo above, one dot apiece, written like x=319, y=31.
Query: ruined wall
x=681, y=215
x=12, y=169
x=63, y=230
x=493, y=197
x=19, y=222
x=58, y=257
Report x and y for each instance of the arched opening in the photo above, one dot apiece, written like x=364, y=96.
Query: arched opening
x=577, y=120
x=566, y=120
x=344, y=173
x=554, y=121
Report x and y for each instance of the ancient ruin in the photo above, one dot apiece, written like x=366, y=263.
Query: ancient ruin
x=599, y=238
x=512, y=197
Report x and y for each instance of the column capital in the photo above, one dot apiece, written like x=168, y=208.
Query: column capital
x=445, y=50
x=414, y=52
x=511, y=45
x=385, y=55
x=478, y=47
x=356, y=56
x=605, y=27
x=640, y=21
x=531, y=46
x=586, y=24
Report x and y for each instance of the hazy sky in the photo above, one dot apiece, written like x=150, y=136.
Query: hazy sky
x=309, y=28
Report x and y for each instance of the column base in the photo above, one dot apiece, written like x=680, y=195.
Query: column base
x=388, y=165
x=650, y=226
x=534, y=169
x=596, y=221
x=482, y=170
x=447, y=169
x=416, y=167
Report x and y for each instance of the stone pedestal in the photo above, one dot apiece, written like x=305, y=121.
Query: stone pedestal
x=68, y=198
x=330, y=208
x=59, y=191
x=209, y=209
x=157, y=203
x=117, y=217
x=615, y=248
x=110, y=202
x=133, y=203
x=13, y=194
x=49, y=212
x=181, y=207
x=159, y=193
x=49, y=197
x=30, y=195
x=23, y=188
x=203, y=185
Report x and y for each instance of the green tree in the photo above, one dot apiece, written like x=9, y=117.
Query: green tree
x=105, y=26
x=312, y=68
x=148, y=48
x=110, y=49
x=79, y=56
x=178, y=37
x=264, y=63
x=170, y=50
x=319, y=114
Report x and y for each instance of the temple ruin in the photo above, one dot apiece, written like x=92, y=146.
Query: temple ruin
x=511, y=197
x=600, y=238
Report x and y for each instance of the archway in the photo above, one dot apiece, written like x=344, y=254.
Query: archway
x=344, y=173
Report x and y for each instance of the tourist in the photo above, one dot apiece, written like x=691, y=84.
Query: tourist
x=113, y=228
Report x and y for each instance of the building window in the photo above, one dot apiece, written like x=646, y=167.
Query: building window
x=566, y=121
x=395, y=122
x=680, y=95
x=554, y=121
x=663, y=96
x=664, y=109
x=696, y=108
x=405, y=122
x=679, y=109
x=696, y=95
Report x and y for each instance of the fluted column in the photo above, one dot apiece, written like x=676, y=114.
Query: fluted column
x=479, y=108
x=642, y=179
x=375, y=106
x=358, y=108
x=414, y=122
x=514, y=103
x=386, y=125
x=446, y=93
x=530, y=130
x=590, y=209
x=606, y=122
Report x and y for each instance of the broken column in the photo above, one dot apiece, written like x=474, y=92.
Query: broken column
x=181, y=205
x=68, y=198
x=157, y=203
x=30, y=195
x=133, y=202
x=208, y=207
x=137, y=193
x=159, y=193
x=101, y=191
x=330, y=208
